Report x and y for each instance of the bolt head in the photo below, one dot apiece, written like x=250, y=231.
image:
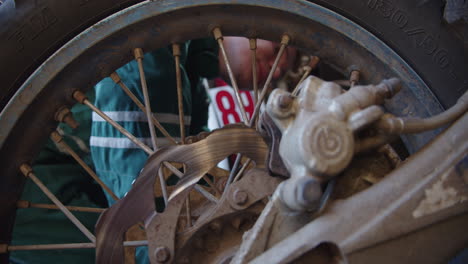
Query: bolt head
x=240, y=197
x=285, y=102
x=162, y=254
x=309, y=193
x=301, y=194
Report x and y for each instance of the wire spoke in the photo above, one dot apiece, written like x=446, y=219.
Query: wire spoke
x=81, y=98
x=49, y=246
x=284, y=43
x=188, y=211
x=180, y=102
x=28, y=172
x=242, y=170
x=253, y=50
x=173, y=169
x=162, y=181
x=116, y=78
x=9, y=248
x=139, y=58
x=205, y=193
x=232, y=173
x=27, y=204
x=308, y=69
x=57, y=138
x=197, y=187
x=306, y=73
x=219, y=38
x=212, y=185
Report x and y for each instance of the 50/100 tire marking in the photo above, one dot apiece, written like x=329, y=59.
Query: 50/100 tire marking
x=424, y=40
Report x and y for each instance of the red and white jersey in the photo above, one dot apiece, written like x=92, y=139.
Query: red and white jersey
x=224, y=108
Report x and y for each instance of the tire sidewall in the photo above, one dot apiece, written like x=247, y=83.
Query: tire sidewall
x=33, y=30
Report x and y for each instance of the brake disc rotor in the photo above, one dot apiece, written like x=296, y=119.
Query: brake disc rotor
x=139, y=206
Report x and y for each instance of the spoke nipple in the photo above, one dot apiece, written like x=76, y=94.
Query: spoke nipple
x=253, y=43
x=64, y=115
x=162, y=254
x=354, y=77
x=56, y=137
x=240, y=197
x=23, y=204
x=70, y=121
x=314, y=61
x=392, y=86
x=176, y=49
x=285, y=39
x=115, y=77
x=217, y=33
x=25, y=169
x=80, y=97
x=3, y=248
x=138, y=52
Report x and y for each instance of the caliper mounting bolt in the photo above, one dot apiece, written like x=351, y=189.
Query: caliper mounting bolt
x=240, y=197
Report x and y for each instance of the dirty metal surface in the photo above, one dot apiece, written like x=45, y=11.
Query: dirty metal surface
x=299, y=199
x=272, y=136
x=365, y=170
x=443, y=241
x=319, y=126
x=413, y=196
x=258, y=185
x=106, y=45
x=138, y=205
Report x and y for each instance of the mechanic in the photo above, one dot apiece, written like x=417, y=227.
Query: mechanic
x=71, y=184
x=118, y=160
x=199, y=59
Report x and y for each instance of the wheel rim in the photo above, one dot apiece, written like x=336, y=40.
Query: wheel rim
x=97, y=45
